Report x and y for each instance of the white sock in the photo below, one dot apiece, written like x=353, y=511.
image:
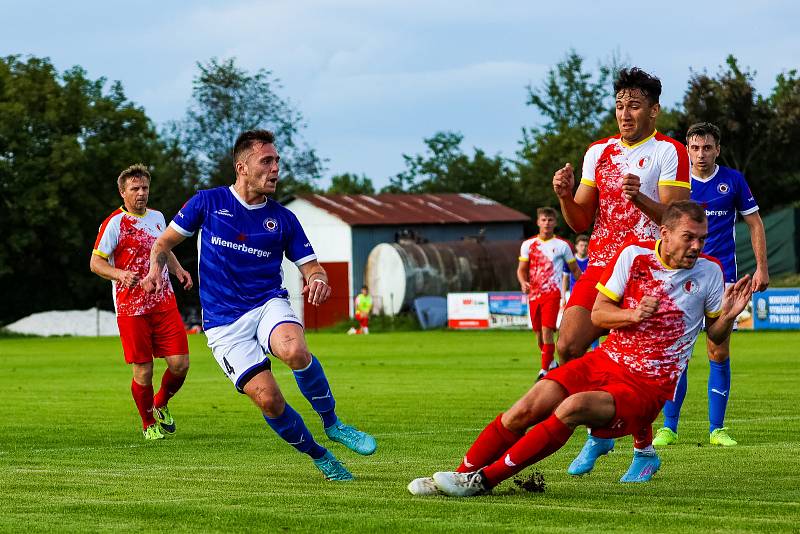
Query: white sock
x=647, y=450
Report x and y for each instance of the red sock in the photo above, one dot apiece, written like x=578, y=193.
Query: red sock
x=540, y=442
x=143, y=396
x=548, y=353
x=170, y=384
x=491, y=443
x=643, y=438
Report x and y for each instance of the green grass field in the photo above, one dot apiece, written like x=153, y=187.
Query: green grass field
x=72, y=457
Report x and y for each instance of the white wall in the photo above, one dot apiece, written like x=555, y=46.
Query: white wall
x=331, y=238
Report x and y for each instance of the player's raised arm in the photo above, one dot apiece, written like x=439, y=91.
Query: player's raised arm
x=578, y=210
x=735, y=300
x=316, y=288
x=159, y=256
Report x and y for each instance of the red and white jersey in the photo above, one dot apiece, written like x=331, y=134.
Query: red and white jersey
x=657, y=160
x=660, y=347
x=546, y=260
x=125, y=241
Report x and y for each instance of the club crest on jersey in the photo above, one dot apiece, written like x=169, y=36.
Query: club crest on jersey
x=723, y=188
x=643, y=162
x=270, y=224
x=691, y=286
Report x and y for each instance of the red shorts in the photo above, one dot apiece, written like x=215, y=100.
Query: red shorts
x=544, y=311
x=362, y=318
x=584, y=292
x=156, y=334
x=638, y=401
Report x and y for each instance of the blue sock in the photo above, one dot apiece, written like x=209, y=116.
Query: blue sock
x=719, y=387
x=314, y=386
x=672, y=409
x=291, y=427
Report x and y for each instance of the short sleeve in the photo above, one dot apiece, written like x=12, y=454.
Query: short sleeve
x=298, y=249
x=589, y=166
x=616, y=274
x=745, y=201
x=525, y=250
x=713, y=305
x=569, y=257
x=190, y=217
x=107, y=238
x=674, y=166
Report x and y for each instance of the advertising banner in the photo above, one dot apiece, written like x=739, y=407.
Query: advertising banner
x=777, y=309
x=468, y=310
x=508, y=309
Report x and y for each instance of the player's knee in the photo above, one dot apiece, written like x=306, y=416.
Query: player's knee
x=271, y=403
x=296, y=356
x=718, y=354
x=180, y=366
x=143, y=373
x=574, y=409
x=567, y=350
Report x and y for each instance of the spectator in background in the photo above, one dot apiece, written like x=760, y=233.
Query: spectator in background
x=363, y=309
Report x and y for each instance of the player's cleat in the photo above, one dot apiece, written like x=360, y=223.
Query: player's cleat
x=542, y=372
x=332, y=468
x=553, y=365
x=665, y=436
x=593, y=449
x=721, y=437
x=643, y=467
x=153, y=432
x=353, y=439
x=424, y=486
x=461, y=484
x=164, y=419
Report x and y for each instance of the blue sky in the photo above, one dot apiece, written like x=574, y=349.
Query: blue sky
x=374, y=78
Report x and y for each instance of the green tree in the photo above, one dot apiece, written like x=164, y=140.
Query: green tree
x=226, y=100
x=351, y=184
x=758, y=133
x=63, y=140
x=446, y=168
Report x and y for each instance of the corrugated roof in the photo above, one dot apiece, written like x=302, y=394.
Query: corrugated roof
x=429, y=208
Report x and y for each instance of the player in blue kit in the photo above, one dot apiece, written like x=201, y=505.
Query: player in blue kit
x=242, y=237
x=722, y=192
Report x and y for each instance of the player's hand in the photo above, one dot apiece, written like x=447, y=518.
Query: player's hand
x=736, y=297
x=760, y=280
x=184, y=278
x=630, y=186
x=564, y=181
x=152, y=283
x=646, y=308
x=525, y=287
x=318, y=291
x=128, y=279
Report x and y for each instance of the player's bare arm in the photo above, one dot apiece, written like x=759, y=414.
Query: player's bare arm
x=317, y=288
x=578, y=211
x=759, y=240
x=101, y=267
x=734, y=301
x=607, y=313
x=522, y=276
x=159, y=256
x=180, y=273
x=652, y=208
x=575, y=270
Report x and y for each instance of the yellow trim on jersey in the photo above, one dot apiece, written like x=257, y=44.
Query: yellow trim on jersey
x=714, y=315
x=586, y=181
x=640, y=143
x=523, y=259
x=101, y=254
x=674, y=183
x=658, y=255
x=546, y=240
x=607, y=292
x=126, y=212
x=573, y=260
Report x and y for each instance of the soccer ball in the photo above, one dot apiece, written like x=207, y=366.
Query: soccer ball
x=351, y=331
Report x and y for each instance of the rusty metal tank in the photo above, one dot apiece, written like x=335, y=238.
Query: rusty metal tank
x=397, y=273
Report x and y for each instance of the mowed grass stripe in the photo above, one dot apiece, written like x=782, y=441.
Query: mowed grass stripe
x=72, y=457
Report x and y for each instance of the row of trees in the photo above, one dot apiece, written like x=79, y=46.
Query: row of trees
x=64, y=137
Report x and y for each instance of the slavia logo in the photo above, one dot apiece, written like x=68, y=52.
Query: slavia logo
x=270, y=224
x=691, y=286
x=643, y=162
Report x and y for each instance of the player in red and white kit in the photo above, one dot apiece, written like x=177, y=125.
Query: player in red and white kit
x=541, y=263
x=653, y=298
x=149, y=324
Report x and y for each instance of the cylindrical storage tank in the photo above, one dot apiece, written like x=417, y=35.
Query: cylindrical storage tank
x=397, y=273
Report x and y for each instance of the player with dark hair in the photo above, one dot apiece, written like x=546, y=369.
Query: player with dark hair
x=149, y=324
x=722, y=192
x=627, y=181
x=542, y=259
x=653, y=297
x=243, y=235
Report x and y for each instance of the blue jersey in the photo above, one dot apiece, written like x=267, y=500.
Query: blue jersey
x=723, y=194
x=582, y=265
x=240, y=250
